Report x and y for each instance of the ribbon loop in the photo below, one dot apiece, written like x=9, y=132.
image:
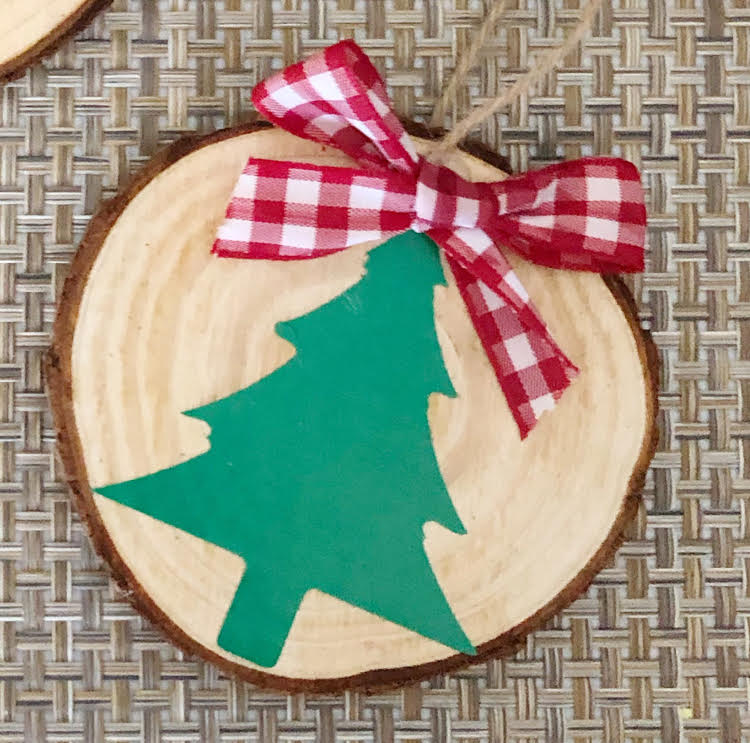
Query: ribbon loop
x=338, y=98
x=585, y=215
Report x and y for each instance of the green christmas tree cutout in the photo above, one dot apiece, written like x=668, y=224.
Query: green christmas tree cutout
x=323, y=474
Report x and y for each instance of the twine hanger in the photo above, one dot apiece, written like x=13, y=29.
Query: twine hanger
x=547, y=63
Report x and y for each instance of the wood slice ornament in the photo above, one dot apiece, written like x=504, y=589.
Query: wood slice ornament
x=31, y=29
x=306, y=470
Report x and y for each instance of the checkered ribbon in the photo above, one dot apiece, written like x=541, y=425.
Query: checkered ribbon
x=586, y=215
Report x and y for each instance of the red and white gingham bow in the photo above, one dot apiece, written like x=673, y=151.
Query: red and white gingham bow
x=586, y=215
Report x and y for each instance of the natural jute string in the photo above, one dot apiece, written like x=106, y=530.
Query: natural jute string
x=548, y=62
x=467, y=60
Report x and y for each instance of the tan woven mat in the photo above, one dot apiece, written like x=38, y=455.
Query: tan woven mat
x=657, y=650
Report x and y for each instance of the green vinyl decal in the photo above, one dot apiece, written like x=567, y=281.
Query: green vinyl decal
x=322, y=474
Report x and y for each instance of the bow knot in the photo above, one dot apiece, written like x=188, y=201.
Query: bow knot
x=444, y=199
x=585, y=215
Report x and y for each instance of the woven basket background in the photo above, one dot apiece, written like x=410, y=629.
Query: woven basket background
x=657, y=650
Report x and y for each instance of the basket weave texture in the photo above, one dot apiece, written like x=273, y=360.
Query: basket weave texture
x=658, y=647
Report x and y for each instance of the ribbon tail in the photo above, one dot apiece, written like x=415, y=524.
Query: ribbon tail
x=293, y=211
x=532, y=370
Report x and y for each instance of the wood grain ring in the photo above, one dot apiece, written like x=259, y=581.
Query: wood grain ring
x=59, y=369
x=34, y=49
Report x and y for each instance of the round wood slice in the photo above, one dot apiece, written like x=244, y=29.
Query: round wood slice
x=152, y=324
x=31, y=29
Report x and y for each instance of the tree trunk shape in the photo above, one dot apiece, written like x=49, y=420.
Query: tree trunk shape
x=323, y=474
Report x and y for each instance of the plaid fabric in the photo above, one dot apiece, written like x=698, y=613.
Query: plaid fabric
x=338, y=98
x=282, y=210
x=586, y=214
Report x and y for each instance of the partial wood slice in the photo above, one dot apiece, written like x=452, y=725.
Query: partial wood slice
x=151, y=324
x=31, y=29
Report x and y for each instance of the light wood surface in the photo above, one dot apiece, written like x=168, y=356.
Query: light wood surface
x=29, y=27
x=163, y=326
